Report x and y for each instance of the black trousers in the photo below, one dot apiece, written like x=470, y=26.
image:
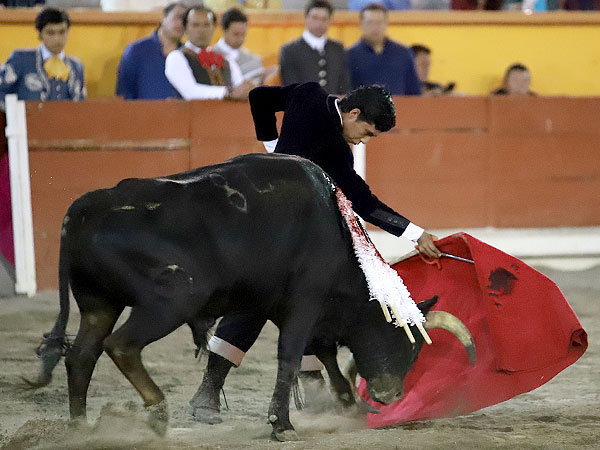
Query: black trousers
x=242, y=329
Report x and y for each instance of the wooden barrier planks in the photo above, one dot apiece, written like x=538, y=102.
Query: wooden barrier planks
x=451, y=162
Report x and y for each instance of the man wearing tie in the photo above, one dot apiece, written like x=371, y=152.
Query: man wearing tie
x=44, y=73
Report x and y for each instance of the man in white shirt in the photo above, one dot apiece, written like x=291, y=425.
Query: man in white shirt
x=235, y=26
x=199, y=73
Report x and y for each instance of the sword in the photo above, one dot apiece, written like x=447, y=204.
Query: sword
x=458, y=258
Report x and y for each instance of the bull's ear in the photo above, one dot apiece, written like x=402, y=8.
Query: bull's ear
x=426, y=305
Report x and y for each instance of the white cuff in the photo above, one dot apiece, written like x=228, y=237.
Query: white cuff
x=413, y=232
x=310, y=363
x=270, y=145
x=226, y=350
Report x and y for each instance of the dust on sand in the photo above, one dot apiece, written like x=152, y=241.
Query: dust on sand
x=562, y=414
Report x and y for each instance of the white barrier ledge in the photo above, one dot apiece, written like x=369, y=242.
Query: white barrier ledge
x=20, y=193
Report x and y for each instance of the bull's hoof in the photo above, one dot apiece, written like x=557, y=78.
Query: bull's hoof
x=285, y=436
x=79, y=423
x=158, y=418
x=366, y=408
x=207, y=415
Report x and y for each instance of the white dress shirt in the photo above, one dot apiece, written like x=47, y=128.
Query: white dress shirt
x=316, y=43
x=180, y=75
x=228, y=50
x=48, y=54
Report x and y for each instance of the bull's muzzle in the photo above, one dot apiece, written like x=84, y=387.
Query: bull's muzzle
x=385, y=388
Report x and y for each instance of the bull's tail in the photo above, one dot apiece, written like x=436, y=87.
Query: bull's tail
x=55, y=344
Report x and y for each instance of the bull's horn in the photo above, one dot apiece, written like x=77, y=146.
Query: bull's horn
x=448, y=322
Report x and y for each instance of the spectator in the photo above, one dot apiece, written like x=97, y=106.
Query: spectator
x=196, y=71
x=422, y=64
x=516, y=81
x=235, y=25
x=313, y=57
x=377, y=59
x=141, y=73
x=45, y=72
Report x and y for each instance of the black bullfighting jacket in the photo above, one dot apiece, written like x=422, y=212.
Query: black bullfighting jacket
x=311, y=128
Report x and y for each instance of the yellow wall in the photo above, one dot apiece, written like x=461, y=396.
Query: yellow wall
x=561, y=49
x=563, y=60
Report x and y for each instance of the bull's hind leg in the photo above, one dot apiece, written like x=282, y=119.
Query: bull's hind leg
x=125, y=345
x=84, y=353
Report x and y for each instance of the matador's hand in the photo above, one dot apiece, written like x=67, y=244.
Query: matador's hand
x=426, y=246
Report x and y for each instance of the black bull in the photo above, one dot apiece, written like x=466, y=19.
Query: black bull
x=260, y=233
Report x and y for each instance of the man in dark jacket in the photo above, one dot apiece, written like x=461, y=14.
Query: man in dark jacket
x=314, y=57
x=318, y=127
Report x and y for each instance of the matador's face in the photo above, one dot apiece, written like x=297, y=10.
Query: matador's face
x=356, y=130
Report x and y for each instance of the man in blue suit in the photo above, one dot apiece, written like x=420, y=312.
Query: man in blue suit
x=44, y=73
x=141, y=73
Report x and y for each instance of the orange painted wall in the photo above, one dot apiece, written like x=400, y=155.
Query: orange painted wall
x=450, y=162
x=491, y=161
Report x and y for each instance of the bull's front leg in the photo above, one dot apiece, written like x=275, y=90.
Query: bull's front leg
x=344, y=393
x=290, y=348
x=279, y=410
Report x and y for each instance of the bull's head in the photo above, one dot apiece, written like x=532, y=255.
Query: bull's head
x=384, y=354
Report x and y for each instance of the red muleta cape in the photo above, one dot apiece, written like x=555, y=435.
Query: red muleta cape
x=524, y=330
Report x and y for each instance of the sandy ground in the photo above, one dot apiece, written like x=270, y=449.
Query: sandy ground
x=563, y=414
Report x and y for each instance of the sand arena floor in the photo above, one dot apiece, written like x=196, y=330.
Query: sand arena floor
x=562, y=414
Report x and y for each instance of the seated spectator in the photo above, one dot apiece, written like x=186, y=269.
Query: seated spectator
x=197, y=72
x=516, y=81
x=377, y=59
x=45, y=72
x=141, y=73
x=422, y=64
x=313, y=57
x=235, y=26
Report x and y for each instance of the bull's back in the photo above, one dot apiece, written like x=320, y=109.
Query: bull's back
x=249, y=220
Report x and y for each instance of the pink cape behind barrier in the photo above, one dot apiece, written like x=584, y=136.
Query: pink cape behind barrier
x=524, y=330
x=6, y=231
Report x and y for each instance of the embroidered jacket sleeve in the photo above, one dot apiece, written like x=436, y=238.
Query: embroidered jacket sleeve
x=9, y=77
x=77, y=86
